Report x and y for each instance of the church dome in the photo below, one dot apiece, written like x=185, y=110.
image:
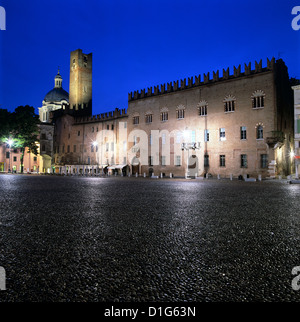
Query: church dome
x=57, y=94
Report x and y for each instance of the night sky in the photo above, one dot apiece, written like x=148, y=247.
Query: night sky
x=137, y=44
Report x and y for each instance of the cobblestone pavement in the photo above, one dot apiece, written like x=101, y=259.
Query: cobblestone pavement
x=136, y=239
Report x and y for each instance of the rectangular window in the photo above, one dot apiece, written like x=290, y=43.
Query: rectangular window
x=163, y=160
x=15, y=159
x=243, y=160
x=74, y=148
x=63, y=149
x=149, y=118
x=107, y=147
x=124, y=160
x=264, y=161
x=112, y=126
x=243, y=133
x=222, y=134
x=180, y=114
x=298, y=126
x=92, y=148
x=258, y=101
x=78, y=133
x=112, y=146
x=203, y=110
x=229, y=106
x=206, y=135
x=178, y=161
x=151, y=139
x=68, y=149
x=206, y=160
x=222, y=160
x=7, y=155
x=107, y=126
x=136, y=120
x=164, y=116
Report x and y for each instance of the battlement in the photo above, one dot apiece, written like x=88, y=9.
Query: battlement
x=192, y=82
x=112, y=115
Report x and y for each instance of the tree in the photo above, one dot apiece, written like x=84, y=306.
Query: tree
x=22, y=127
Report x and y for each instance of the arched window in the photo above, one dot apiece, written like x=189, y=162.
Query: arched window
x=258, y=99
x=202, y=107
x=259, y=132
x=229, y=103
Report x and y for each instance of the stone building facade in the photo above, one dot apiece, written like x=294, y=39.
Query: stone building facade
x=237, y=124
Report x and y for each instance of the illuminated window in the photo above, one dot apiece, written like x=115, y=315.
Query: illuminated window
x=259, y=132
x=206, y=135
x=222, y=134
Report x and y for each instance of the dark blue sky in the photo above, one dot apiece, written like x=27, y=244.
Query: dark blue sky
x=137, y=44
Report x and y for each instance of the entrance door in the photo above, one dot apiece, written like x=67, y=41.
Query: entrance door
x=193, y=165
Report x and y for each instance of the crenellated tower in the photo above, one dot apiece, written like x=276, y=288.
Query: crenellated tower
x=80, y=89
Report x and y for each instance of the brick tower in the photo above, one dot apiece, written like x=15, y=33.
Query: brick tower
x=80, y=92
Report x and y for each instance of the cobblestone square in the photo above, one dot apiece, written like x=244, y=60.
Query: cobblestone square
x=141, y=239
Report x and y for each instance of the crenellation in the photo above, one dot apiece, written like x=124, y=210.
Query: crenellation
x=197, y=80
x=183, y=84
x=206, y=78
x=216, y=76
x=176, y=85
x=237, y=71
x=226, y=73
x=258, y=66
